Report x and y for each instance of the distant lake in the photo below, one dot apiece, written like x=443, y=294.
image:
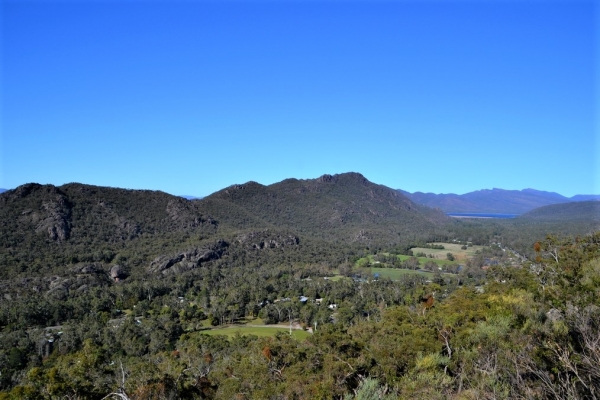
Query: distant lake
x=481, y=215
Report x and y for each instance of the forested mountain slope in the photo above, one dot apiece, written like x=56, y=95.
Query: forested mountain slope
x=345, y=206
x=47, y=228
x=569, y=212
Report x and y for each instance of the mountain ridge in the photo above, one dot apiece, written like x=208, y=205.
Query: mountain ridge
x=47, y=228
x=500, y=201
x=328, y=202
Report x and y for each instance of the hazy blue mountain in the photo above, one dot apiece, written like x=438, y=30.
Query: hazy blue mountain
x=493, y=200
x=3, y=190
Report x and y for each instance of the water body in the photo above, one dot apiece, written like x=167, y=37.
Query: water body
x=481, y=215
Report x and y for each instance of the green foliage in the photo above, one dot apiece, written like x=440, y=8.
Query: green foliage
x=369, y=389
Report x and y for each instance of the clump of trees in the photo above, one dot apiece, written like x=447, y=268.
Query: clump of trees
x=434, y=246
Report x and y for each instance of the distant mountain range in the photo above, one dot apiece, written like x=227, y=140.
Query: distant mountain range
x=498, y=201
x=3, y=190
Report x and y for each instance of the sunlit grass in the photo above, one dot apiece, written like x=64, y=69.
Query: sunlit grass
x=257, y=331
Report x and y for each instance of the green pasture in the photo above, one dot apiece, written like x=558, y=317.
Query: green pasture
x=422, y=260
x=454, y=248
x=231, y=331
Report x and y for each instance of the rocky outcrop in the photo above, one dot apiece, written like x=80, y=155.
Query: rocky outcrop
x=188, y=260
x=51, y=217
x=75, y=279
x=58, y=219
x=117, y=273
x=327, y=178
x=81, y=278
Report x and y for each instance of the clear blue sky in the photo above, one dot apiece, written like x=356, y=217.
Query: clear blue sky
x=189, y=97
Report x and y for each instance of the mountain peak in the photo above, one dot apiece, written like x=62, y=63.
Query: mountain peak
x=355, y=176
x=340, y=205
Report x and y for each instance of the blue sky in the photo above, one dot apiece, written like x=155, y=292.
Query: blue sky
x=189, y=97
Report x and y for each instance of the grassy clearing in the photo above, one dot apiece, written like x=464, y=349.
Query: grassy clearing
x=422, y=260
x=454, y=248
x=231, y=331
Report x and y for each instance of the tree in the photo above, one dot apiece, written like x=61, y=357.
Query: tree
x=431, y=266
x=412, y=263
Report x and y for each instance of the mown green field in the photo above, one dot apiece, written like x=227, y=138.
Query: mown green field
x=255, y=330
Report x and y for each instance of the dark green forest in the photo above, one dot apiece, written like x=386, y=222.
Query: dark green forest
x=114, y=293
